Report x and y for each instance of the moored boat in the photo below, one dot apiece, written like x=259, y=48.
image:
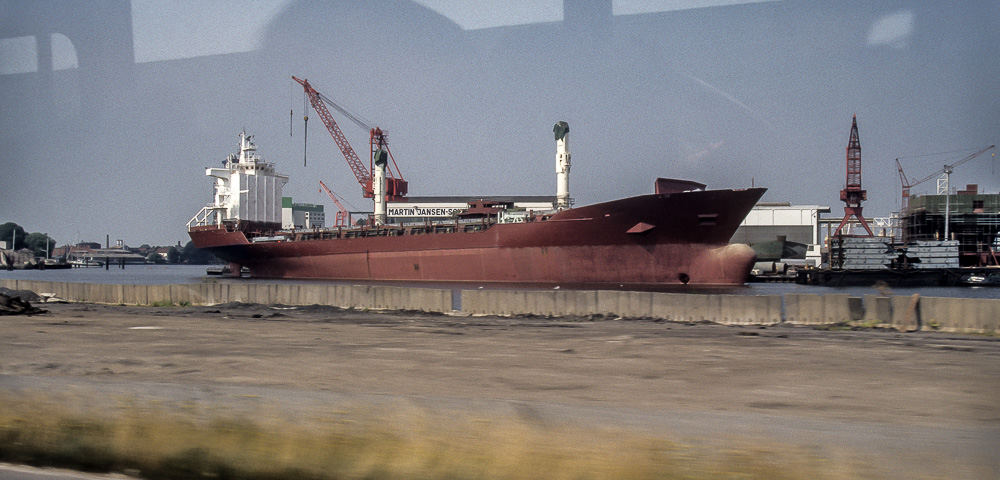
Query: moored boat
x=980, y=279
x=677, y=235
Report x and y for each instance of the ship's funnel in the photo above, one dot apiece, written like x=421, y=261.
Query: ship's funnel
x=378, y=185
x=561, y=131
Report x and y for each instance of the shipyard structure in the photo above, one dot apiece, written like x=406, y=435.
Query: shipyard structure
x=943, y=239
x=969, y=219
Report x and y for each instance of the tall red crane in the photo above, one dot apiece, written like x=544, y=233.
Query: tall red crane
x=852, y=195
x=395, y=185
x=907, y=184
x=343, y=216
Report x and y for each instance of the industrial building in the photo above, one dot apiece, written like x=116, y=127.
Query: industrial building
x=422, y=209
x=301, y=215
x=791, y=224
x=969, y=217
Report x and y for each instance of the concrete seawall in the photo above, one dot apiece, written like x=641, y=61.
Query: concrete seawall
x=903, y=313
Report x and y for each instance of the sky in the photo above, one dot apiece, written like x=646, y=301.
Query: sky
x=110, y=111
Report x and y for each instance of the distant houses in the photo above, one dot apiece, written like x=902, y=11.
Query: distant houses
x=93, y=254
x=92, y=251
x=16, y=258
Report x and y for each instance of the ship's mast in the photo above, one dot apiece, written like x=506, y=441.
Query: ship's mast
x=381, y=159
x=561, y=130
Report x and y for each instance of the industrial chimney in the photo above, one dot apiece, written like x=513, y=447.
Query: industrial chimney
x=562, y=165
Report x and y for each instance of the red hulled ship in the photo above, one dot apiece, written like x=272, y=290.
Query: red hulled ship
x=677, y=235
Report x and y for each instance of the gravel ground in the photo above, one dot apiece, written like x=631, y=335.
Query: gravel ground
x=903, y=405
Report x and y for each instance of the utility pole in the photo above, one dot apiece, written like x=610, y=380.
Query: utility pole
x=948, y=169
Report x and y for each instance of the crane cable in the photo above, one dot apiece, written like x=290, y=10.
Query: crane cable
x=305, y=129
x=357, y=119
x=964, y=150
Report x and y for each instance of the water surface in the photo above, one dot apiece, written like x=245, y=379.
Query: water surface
x=186, y=274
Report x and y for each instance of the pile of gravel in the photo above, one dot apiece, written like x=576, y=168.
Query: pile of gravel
x=23, y=295
x=15, y=304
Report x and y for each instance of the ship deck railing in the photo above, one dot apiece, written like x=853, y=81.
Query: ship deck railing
x=208, y=215
x=404, y=229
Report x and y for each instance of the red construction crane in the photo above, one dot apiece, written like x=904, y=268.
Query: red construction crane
x=907, y=184
x=395, y=185
x=343, y=216
x=852, y=194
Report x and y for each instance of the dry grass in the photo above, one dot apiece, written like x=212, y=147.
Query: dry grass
x=158, y=442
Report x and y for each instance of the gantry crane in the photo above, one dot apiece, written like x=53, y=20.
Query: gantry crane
x=343, y=216
x=907, y=184
x=395, y=184
x=852, y=195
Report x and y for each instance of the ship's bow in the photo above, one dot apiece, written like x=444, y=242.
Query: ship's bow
x=726, y=265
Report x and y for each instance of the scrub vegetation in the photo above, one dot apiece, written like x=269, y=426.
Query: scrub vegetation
x=156, y=441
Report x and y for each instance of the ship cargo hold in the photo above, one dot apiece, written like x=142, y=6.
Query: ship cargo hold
x=675, y=236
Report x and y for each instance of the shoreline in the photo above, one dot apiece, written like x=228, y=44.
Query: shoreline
x=914, y=313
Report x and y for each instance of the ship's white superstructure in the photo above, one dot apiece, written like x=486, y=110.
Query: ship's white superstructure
x=247, y=189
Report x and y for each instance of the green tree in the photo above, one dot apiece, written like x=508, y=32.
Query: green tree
x=154, y=257
x=7, y=232
x=194, y=255
x=173, y=255
x=40, y=243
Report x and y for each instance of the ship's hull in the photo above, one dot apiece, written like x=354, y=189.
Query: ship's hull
x=660, y=239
